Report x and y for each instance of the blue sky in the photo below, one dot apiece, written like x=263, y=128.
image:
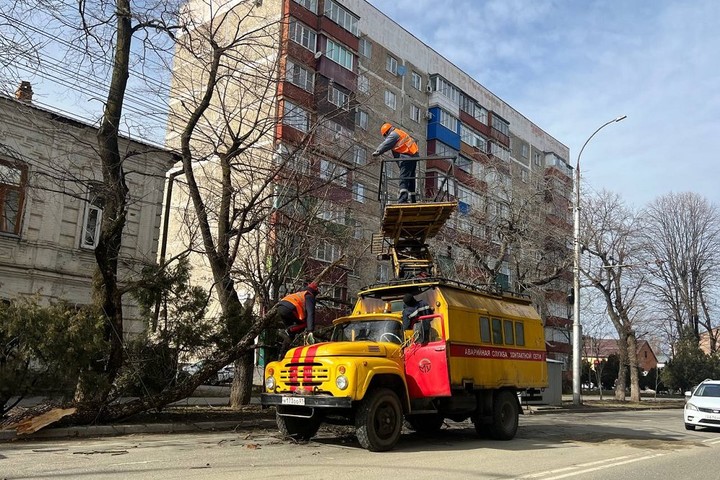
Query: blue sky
x=570, y=66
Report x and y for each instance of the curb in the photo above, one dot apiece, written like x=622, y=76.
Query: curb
x=149, y=428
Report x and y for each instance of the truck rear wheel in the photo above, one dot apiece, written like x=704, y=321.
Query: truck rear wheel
x=378, y=421
x=426, y=423
x=504, y=416
x=299, y=428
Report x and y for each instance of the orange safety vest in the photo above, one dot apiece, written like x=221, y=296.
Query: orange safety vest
x=405, y=144
x=298, y=301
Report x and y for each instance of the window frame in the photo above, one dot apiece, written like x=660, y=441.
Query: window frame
x=294, y=73
x=416, y=81
x=339, y=54
x=93, y=205
x=290, y=111
x=343, y=17
x=311, y=5
x=390, y=99
x=497, y=333
x=391, y=64
x=18, y=188
x=304, y=29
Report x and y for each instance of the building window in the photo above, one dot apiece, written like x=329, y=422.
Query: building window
x=339, y=54
x=464, y=164
x=446, y=88
x=525, y=151
x=13, y=179
x=365, y=47
x=92, y=220
x=363, y=84
x=359, y=192
x=500, y=125
x=360, y=155
x=358, y=231
x=338, y=14
x=303, y=35
x=361, y=119
x=300, y=76
x=537, y=158
x=416, y=81
x=309, y=4
x=296, y=117
x=390, y=99
x=326, y=252
x=499, y=151
x=338, y=97
x=524, y=175
x=334, y=173
x=448, y=121
x=472, y=138
x=481, y=114
x=415, y=113
x=391, y=64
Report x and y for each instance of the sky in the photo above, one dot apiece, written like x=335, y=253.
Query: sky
x=570, y=66
x=567, y=65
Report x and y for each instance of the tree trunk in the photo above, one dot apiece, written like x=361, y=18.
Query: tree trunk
x=622, y=372
x=633, y=361
x=241, y=390
x=106, y=290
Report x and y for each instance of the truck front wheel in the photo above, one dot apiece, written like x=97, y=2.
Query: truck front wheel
x=378, y=421
x=299, y=428
x=504, y=416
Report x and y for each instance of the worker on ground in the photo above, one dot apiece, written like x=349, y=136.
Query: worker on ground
x=413, y=309
x=297, y=312
x=402, y=146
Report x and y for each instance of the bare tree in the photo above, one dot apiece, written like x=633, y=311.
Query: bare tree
x=609, y=233
x=682, y=232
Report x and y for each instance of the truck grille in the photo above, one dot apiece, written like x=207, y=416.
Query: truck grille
x=304, y=374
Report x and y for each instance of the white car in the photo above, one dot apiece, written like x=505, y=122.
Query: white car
x=702, y=406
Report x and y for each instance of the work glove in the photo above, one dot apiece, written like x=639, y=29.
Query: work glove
x=376, y=153
x=309, y=338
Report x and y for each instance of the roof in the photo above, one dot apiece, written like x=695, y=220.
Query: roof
x=604, y=347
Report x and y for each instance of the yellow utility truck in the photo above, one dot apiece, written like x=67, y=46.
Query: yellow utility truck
x=468, y=359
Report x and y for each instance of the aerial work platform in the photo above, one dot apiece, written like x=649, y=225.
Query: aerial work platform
x=405, y=229
x=416, y=221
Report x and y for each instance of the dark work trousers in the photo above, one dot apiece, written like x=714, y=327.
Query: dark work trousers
x=407, y=180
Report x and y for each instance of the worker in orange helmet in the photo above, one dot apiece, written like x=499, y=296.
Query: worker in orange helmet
x=297, y=312
x=402, y=146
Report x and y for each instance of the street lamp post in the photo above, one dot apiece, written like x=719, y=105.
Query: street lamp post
x=577, y=336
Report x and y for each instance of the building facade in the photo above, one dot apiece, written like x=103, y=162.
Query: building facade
x=343, y=69
x=50, y=212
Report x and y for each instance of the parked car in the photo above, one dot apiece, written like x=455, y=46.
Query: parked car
x=226, y=374
x=702, y=405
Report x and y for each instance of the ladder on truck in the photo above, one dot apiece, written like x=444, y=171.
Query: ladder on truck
x=406, y=227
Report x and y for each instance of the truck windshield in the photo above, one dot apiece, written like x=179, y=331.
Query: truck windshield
x=368, y=330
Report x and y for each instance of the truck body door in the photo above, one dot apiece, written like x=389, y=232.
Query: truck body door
x=426, y=360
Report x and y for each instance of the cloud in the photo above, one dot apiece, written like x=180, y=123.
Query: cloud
x=571, y=66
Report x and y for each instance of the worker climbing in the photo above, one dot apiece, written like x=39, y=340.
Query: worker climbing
x=297, y=312
x=403, y=146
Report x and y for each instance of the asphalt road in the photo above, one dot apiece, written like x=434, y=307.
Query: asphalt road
x=621, y=444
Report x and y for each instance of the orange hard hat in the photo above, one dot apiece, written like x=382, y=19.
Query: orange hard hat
x=385, y=128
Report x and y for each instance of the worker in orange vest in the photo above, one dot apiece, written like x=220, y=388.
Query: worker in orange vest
x=402, y=145
x=297, y=312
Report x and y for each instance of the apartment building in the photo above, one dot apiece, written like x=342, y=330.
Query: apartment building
x=343, y=69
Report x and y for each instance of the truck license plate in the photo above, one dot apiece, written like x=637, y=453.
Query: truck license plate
x=293, y=401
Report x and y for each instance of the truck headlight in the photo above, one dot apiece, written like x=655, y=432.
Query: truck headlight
x=342, y=382
x=270, y=383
